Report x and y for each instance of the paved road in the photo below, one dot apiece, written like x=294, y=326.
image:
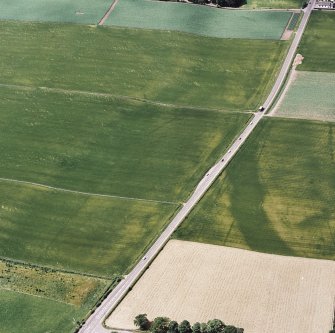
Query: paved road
x=289, y=58
x=94, y=323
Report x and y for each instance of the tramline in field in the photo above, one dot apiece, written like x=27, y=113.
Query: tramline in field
x=255, y=291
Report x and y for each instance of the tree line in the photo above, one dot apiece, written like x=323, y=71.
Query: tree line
x=219, y=3
x=165, y=325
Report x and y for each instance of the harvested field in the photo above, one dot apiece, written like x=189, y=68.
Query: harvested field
x=76, y=11
x=202, y=20
x=310, y=96
x=259, y=292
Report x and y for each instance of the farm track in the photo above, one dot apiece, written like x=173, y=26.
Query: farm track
x=85, y=193
x=111, y=8
x=122, y=97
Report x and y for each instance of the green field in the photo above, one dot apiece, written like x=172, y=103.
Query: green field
x=98, y=145
x=202, y=20
x=179, y=69
x=90, y=234
x=310, y=96
x=76, y=11
x=110, y=146
x=277, y=195
x=318, y=43
x=280, y=4
x=75, y=115
x=19, y=312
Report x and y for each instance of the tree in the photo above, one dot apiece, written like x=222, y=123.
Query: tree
x=203, y=328
x=185, y=327
x=215, y=326
x=230, y=329
x=173, y=327
x=231, y=3
x=196, y=328
x=160, y=325
x=142, y=321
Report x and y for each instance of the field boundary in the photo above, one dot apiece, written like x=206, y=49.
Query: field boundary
x=51, y=268
x=121, y=97
x=39, y=296
x=8, y=180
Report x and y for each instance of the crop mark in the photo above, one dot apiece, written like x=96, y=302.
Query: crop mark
x=115, y=96
x=85, y=193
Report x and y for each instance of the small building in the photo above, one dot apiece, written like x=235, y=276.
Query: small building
x=322, y=4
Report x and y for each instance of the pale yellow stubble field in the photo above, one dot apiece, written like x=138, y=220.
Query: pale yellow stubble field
x=259, y=292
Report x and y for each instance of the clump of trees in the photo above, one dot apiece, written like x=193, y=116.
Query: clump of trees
x=165, y=325
x=219, y=3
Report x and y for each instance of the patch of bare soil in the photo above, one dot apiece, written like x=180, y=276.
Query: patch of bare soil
x=286, y=35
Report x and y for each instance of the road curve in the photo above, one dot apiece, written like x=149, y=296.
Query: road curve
x=95, y=322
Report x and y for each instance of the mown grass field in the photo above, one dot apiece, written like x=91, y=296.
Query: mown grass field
x=202, y=20
x=310, y=96
x=318, y=43
x=44, y=300
x=179, y=69
x=109, y=146
x=280, y=4
x=37, y=315
x=76, y=11
x=276, y=196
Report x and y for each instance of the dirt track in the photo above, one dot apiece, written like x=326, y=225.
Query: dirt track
x=259, y=292
x=111, y=8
